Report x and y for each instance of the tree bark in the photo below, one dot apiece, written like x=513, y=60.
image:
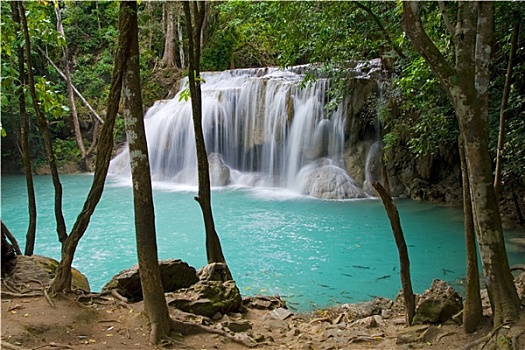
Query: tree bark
x=504, y=101
x=24, y=141
x=193, y=26
x=180, y=40
x=62, y=281
x=467, y=86
x=404, y=261
x=42, y=124
x=472, y=310
x=168, y=58
x=152, y=289
x=70, y=93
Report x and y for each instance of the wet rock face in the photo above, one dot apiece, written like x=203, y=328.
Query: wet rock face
x=219, y=171
x=437, y=304
x=175, y=274
x=327, y=181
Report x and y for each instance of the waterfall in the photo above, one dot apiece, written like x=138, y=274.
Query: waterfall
x=261, y=129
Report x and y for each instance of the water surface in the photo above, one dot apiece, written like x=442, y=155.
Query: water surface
x=312, y=252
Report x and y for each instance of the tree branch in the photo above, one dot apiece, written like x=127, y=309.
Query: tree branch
x=377, y=21
x=86, y=103
x=425, y=46
x=446, y=19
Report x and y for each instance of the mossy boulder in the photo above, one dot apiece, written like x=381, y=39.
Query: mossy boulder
x=43, y=269
x=437, y=304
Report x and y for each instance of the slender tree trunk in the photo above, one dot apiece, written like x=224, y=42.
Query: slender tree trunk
x=504, y=101
x=70, y=93
x=472, y=311
x=42, y=124
x=180, y=40
x=193, y=26
x=404, y=262
x=24, y=141
x=62, y=281
x=152, y=289
x=168, y=58
x=12, y=239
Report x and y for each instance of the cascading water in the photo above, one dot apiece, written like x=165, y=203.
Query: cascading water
x=260, y=129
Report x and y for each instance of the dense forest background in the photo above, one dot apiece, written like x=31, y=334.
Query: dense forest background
x=418, y=120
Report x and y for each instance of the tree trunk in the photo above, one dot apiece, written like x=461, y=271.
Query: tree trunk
x=152, y=289
x=12, y=239
x=168, y=58
x=180, y=42
x=472, y=310
x=70, y=93
x=24, y=141
x=467, y=86
x=504, y=101
x=193, y=26
x=404, y=262
x=42, y=124
x=62, y=281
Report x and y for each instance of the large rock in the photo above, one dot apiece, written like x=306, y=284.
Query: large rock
x=437, y=304
x=207, y=298
x=41, y=268
x=322, y=179
x=175, y=274
x=219, y=171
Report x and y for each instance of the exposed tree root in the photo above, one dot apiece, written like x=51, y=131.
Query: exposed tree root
x=193, y=328
x=495, y=339
x=6, y=345
x=20, y=295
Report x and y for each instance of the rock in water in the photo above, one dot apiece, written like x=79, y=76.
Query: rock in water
x=219, y=171
x=437, y=304
x=322, y=179
x=175, y=274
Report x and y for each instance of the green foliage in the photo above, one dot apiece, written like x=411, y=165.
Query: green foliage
x=65, y=151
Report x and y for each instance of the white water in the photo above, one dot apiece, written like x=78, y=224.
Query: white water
x=267, y=130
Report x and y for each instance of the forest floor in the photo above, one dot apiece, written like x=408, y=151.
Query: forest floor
x=32, y=323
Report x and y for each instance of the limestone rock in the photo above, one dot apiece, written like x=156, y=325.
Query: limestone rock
x=237, y=326
x=437, y=304
x=219, y=171
x=322, y=179
x=215, y=272
x=42, y=268
x=175, y=274
x=206, y=298
x=367, y=308
x=263, y=302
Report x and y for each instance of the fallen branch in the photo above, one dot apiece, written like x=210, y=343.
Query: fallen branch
x=86, y=103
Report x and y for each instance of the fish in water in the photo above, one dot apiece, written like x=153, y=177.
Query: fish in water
x=445, y=271
x=361, y=267
x=347, y=275
x=383, y=277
